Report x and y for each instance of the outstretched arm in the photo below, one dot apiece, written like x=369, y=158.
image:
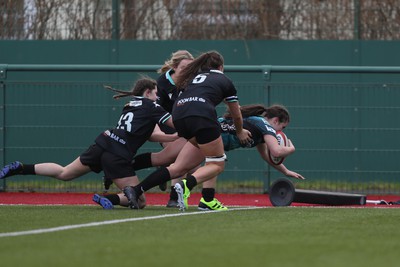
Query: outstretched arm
x=263, y=150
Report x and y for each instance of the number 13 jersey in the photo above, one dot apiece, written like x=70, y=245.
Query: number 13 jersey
x=135, y=126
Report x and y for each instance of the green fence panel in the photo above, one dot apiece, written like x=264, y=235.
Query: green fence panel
x=344, y=123
x=343, y=118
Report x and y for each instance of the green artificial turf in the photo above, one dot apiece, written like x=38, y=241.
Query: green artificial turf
x=287, y=236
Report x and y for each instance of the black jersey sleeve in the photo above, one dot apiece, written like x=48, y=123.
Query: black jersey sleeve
x=229, y=90
x=159, y=114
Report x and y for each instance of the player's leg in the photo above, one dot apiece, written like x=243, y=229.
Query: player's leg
x=165, y=157
x=208, y=200
x=214, y=165
x=65, y=173
x=170, y=152
x=71, y=171
x=121, y=183
x=115, y=167
x=86, y=162
x=192, y=158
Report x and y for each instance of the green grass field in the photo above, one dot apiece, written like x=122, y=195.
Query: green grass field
x=290, y=236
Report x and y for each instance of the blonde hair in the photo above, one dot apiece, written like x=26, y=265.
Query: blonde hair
x=175, y=59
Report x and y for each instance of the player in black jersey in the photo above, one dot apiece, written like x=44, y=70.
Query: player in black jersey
x=114, y=149
x=167, y=93
x=204, y=86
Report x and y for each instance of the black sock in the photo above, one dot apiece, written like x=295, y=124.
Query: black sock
x=28, y=169
x=191, y=182
x=114, y=198
x=208, y=194
x=161, y=175
x=173, y=195
x=142, y=161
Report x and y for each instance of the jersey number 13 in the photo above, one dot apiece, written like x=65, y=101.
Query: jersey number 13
x=125, y=122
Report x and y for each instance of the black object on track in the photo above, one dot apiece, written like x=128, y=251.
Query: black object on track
x=283, y=193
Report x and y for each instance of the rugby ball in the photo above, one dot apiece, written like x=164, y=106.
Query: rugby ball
x=282, y=141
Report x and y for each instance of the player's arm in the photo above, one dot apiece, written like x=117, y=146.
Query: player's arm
x=243, y=134
x=170, y=123
x=160, y=136
x=263, y=151
x=164, y=117
x=275, y=149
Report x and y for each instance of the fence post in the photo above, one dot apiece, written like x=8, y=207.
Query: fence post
x=356, y=19
x=3, y=76
x=115, y=20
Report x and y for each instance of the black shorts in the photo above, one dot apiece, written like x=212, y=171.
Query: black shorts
x=205, y=130
x=113, y=166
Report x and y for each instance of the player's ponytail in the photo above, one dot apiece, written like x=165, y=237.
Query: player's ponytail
x=206, y=61
x=260, y=110
x=138, y=90
x=249, y=110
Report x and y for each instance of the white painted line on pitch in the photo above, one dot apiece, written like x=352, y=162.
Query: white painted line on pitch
x=76, y=226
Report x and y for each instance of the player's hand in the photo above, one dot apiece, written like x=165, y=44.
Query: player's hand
x=244, y=136
x=295, y=175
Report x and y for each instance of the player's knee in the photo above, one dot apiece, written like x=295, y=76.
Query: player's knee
x=65, y=176
x=177, y=170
